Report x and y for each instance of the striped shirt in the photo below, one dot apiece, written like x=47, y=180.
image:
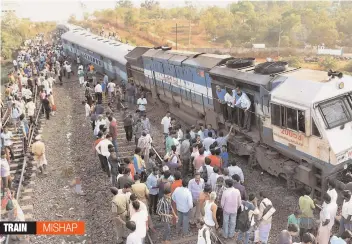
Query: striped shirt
x=164, y=207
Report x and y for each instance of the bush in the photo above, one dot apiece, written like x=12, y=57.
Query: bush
x=328, y=63
x=294, y=62
x=348, y=67
x=228, y=44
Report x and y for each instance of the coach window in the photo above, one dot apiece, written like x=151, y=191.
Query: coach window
x=315, y=131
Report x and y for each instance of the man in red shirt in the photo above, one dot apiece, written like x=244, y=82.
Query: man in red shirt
x=215, y=160
x=113, y=131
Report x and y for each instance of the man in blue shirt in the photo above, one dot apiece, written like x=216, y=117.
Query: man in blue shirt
x=152, y=184
x=221, y=99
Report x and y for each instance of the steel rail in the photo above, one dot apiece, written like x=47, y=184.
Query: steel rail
x=30, y=133
x=157, y=154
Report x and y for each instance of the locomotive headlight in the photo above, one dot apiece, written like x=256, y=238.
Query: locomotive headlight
x=340, y=85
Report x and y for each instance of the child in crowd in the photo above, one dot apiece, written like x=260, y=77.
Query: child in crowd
x=224, y=156
x=294, y=218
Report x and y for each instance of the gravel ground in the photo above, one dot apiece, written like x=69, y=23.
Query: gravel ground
x=69, y=139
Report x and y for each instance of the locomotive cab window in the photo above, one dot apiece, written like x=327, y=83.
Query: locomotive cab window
x=289, y=118
x=276, y=115
x=336, y=112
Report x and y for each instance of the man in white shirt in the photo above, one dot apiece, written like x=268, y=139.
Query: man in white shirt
x=332, y=191
x=30, y=106
x=327, y=219
x=235, y=170
x=207, y=142
x=68, y=70
x=26, y=93
x=204, y=235
x=184, y=203
x=140, y=217
x=166, y=123
x=6, y=137
x=46, y=85
x=141, y=102
x=264, y=224
x=15, y=64
x=111, y=89
x=102, y=149
x=209, y=168
x=98, y=92
x=24, y=79
x=133, y=237
x=87, y=110
x=346, y=212
x=230, y=100
x=5, y=170
x=213, y=177
x=244, y=103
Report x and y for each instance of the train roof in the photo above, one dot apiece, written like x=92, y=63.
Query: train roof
x=69, y=27
x=241, y=76
x=193, y=59
x=308, y=74
x=180, y=56
x=111, y=49
x=207, y=61
x=306, y=92
x=136, y=53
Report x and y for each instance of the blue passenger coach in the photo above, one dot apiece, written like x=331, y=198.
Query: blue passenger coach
x=106, y=55
x=183, y=73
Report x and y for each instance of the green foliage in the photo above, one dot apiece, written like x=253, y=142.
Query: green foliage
x=348, y=66
x=294, y=62
x=228, y=44
x=15, y=31
x=328, y=63
x=150, y=4
x=296, y=23
x=124, y=4
x=131, y=19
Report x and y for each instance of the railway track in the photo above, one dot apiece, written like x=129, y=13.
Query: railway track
x=22, y=168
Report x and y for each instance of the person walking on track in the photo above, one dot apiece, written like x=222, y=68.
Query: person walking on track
x=38, y=149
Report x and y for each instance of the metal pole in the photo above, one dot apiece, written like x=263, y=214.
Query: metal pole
x=181, y=95
x=163, y=88
x=172, y=95
x=176, y=36
x=190, y=92
x=189, y=34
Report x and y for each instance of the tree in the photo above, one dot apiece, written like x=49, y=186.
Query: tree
x=15, y=31
x=72, y=19
x=150, y=4
x=124, y=4
x=131, y=19
x=228, y=44
x=328, y=63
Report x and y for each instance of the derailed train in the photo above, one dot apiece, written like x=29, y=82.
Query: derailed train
x=302, y=119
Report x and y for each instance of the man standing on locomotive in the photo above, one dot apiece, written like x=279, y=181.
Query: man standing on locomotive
x=230, y=101
x=244, y=103
x=221, y=99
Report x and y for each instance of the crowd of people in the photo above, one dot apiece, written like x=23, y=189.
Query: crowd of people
x=35, y=70
x=196, y=185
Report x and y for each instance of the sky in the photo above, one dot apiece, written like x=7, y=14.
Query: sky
x=61, y=10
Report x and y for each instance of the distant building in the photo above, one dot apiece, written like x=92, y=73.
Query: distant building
x=9, y=7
